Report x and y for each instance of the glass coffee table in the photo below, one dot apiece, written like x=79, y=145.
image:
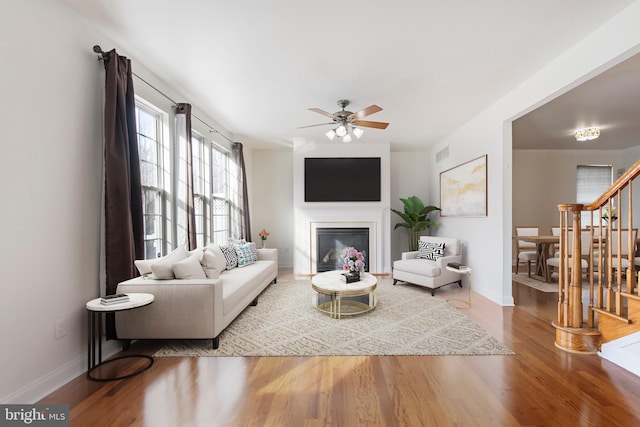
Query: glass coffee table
x=337, y=298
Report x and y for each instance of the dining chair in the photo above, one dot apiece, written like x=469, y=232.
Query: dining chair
x=525, y=251
x=586, y=248
x=624, y=248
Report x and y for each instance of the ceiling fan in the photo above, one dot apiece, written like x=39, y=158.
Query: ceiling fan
x=347, y=121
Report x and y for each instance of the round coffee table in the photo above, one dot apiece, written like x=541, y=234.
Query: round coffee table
x=337, y=298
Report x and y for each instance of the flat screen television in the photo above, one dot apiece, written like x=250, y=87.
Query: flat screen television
x=342, y=179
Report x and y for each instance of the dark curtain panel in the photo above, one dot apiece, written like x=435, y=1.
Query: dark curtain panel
x=242, y=218
x=124, y=239
x=187, y=219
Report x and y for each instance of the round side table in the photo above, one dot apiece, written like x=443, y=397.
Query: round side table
x=96, y=310
x=466, y=270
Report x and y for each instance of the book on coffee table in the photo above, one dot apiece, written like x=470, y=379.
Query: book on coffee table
x=114, y=299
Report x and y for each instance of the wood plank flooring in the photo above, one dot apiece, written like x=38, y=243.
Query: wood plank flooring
x=539, y=386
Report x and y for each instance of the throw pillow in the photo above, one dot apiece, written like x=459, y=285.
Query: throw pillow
x=163, y=269
x=144, y=265
x=210, y=263
x=245, y=255
x=189, y=268
x=254, y=251
x=429, y=250
x=230, y=255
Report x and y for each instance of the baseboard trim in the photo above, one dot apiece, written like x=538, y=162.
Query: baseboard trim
x=50, y=382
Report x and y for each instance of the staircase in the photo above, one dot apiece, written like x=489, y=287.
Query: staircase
x=612, y=326
x=624, y=352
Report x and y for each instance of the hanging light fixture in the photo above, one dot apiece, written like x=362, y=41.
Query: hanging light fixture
x=345, y=131
x=587, y=134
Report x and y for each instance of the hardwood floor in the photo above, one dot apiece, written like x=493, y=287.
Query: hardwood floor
x=540, y=385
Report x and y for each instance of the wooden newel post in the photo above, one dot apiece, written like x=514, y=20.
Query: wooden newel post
x=571, y=335
x=575, y=285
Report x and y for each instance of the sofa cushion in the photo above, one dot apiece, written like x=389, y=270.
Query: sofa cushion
x=189, y=268
x=230, y=255
x=422, y=267
x=238, y=283
x=430, y=250
x=163, y=269
x=246, y=255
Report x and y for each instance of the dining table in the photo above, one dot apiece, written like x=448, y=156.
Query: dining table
x=544, y=245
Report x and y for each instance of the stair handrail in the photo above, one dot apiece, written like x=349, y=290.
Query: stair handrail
x=606, y=297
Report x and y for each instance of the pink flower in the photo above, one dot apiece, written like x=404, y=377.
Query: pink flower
x=351, y=252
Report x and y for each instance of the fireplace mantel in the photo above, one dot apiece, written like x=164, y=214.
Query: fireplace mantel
x=306, y=213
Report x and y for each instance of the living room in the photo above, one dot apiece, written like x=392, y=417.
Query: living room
x=52, y=215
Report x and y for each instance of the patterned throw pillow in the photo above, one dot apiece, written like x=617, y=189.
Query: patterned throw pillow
x=430, y=251
x=230, y=255
x=254, y=251
x=245, y=255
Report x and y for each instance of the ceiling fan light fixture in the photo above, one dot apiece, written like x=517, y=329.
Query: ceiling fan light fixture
x=346, y=138
x=331, y=134
x=357, y=132
x=341, y=130
x=587, y=134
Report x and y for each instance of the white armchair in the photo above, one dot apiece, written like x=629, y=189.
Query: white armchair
x=428, y=273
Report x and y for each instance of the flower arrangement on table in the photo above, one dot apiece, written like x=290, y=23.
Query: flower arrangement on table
x=353, y=260
x=263, y=237
x=610, y=215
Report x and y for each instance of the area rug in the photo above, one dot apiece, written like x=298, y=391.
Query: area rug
x=539, y=285
x=406, y=321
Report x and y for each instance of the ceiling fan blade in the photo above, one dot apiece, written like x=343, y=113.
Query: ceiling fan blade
x=324, y=113
x=319, y=124
x=367, y=124
x=366, y=111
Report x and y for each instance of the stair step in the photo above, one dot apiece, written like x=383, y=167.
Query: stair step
x=624, y=352
x=610, y=314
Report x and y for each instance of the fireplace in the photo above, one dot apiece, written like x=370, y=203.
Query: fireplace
x=329, y=241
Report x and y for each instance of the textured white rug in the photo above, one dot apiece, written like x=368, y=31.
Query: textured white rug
x=406, y=321
x=524, y=279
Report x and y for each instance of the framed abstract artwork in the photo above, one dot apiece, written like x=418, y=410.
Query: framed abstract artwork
x=463, y=189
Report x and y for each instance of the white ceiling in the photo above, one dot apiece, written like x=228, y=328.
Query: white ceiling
x=610, y=101
x=256, y=66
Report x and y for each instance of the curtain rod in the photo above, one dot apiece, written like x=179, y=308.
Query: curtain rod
x=97, y=49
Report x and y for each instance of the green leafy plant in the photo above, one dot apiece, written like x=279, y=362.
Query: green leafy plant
x=416, y=219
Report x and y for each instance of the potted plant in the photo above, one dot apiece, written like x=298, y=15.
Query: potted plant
x=416, y=219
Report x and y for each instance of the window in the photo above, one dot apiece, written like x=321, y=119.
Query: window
x=591, y=182
x=201, y=153
x=220, y=206
x=151, y=152
x=164, y=180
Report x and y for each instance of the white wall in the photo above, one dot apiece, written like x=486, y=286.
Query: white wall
x=543, y=179
x=408, y=178
x=51, y=170
x=272, y=201
x=488, y=240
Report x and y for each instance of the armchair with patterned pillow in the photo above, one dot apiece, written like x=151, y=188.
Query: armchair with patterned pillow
x=427, y=266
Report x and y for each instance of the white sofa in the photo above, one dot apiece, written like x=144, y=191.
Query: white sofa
x=429, y=273
x=195, y=308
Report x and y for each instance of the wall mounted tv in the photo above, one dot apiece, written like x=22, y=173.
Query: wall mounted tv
x=342, y=179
